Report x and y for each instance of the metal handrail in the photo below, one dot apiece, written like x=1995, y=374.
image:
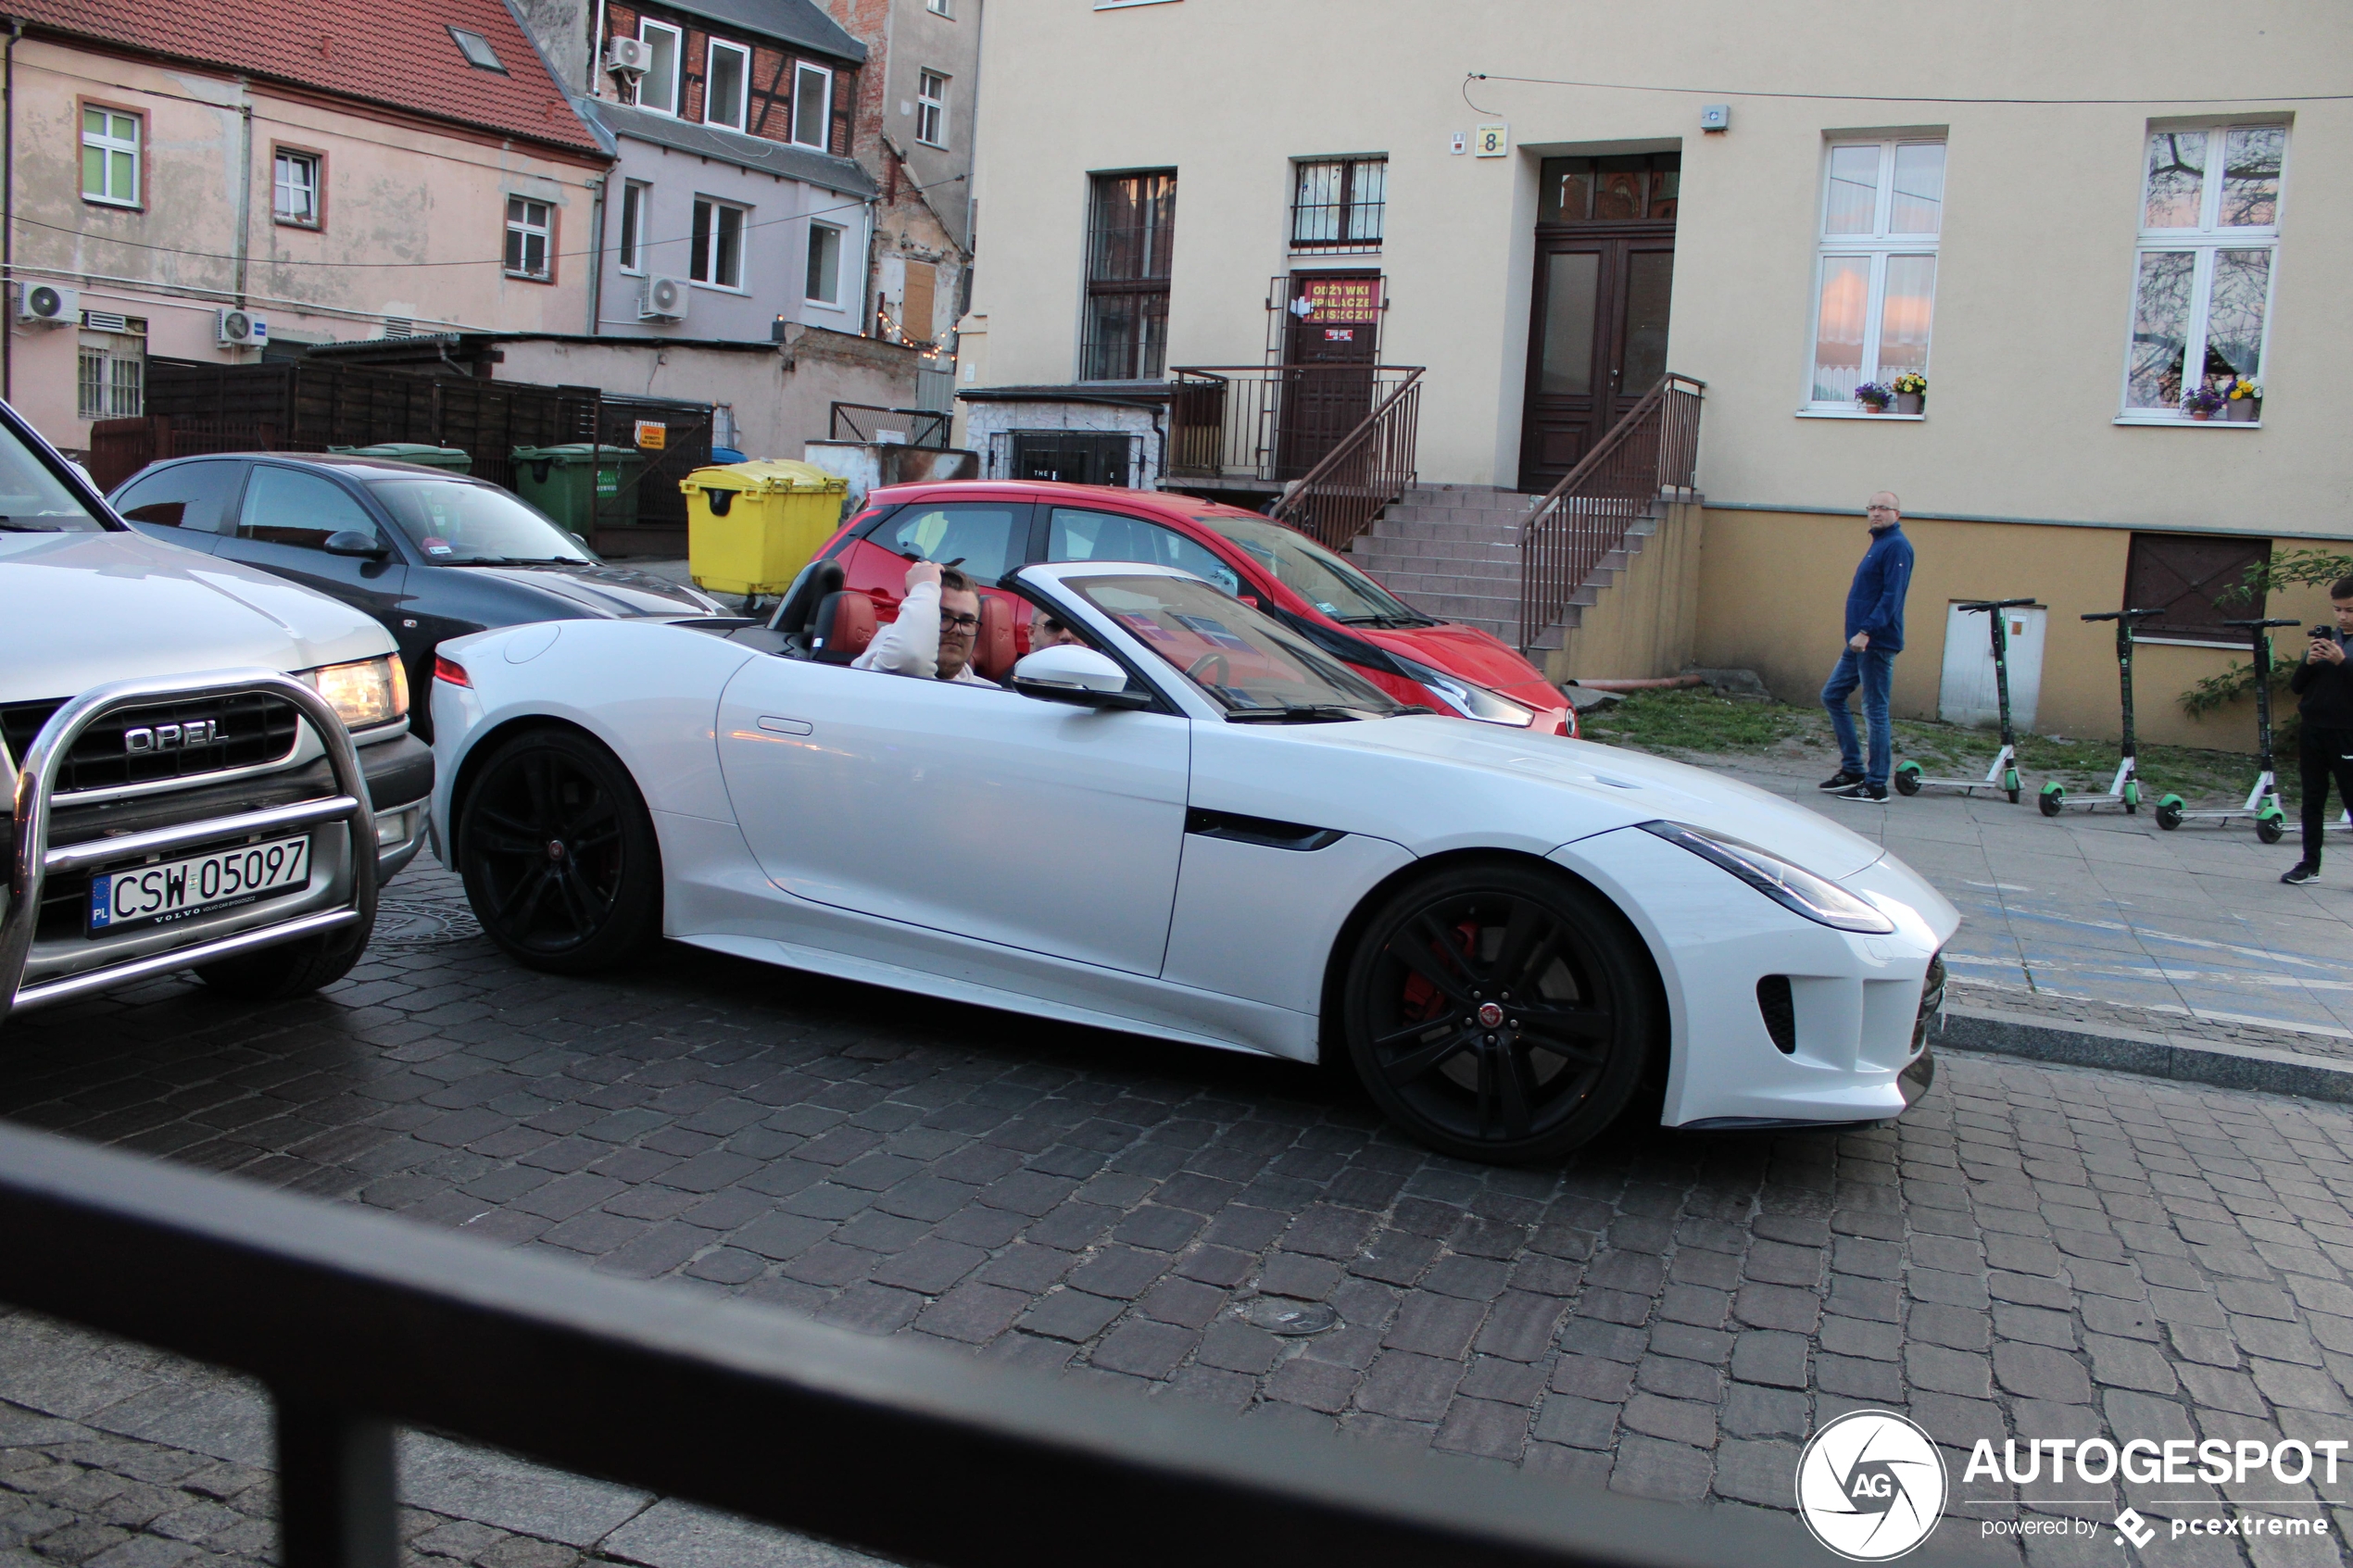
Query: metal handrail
x=357, y=1321
x=1389, y=426
x=1587, y=515
x=33, y=788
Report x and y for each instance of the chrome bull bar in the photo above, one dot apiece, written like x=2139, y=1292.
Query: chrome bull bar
x=31, y=860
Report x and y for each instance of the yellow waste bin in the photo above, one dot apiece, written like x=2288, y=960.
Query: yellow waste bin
x=752, y=527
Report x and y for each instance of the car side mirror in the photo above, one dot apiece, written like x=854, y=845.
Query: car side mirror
x=1080, y=677
x=353, y=542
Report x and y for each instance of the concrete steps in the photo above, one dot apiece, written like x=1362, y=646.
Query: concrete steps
x=1452, y=551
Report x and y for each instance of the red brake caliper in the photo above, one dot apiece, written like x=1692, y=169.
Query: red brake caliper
x=1424, y=1001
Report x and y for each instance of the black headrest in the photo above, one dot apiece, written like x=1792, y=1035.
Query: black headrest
x=799, y=610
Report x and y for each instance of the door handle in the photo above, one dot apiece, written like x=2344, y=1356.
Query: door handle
x=776, y=726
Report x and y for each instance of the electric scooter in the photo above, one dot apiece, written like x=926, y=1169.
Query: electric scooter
x=2125, y=788
x=2263, y=800
x=2003, y=775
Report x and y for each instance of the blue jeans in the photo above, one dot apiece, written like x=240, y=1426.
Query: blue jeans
x=1874, y=672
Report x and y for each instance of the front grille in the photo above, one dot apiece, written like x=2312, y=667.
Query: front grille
x=1779, y=1010
x=253, y=727
x=1932, y=1003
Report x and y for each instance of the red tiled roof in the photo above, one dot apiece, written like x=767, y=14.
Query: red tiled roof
x=398, y=54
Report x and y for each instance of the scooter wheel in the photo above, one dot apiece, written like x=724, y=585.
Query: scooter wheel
x=2052, y=797
x=1907, y=779
x=2270, y=827
x=2169, y=813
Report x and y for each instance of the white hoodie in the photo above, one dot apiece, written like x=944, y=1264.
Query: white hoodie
x=910, y=646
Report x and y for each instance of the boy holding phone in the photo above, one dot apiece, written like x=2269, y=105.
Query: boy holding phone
x=2323, y=687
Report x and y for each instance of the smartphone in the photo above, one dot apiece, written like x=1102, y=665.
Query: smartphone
x=2323, y=634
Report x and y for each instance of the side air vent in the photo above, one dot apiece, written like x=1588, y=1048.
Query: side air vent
x=1780, y=1011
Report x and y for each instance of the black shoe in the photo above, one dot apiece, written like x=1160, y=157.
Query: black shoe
x=2303, y=871
x=1860, y=790
x=1840, y=780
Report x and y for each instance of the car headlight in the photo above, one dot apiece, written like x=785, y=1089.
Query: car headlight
x=1469, y=701
x=368, y=691
x=1792, y=887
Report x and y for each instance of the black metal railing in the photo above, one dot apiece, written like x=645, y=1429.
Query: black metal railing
x=1369, y=468
x=1270, y=423
x=871, y=422
x=358, y=1322
x=1652, y=454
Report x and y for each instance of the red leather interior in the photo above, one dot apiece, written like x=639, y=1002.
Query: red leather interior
x=843, y=625
x=993, y=649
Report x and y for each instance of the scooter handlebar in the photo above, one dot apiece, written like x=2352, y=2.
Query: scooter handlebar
x=1986, y=606
x=2259, y=625
x=2124, y=615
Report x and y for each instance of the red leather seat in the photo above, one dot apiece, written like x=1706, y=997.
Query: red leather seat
x=993, y=648
x=842, y=627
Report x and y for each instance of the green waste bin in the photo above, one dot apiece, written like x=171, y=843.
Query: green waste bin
x=752, y=527
x=583, y=486
x=456, y=460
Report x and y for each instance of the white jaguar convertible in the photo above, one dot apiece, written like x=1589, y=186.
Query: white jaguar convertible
x=1199, y=827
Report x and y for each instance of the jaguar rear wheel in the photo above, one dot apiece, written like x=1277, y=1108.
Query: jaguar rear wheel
x=558, y=854
x=1500, y=1014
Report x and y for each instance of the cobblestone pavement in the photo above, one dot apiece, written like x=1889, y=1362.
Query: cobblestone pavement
x=2031, y=1252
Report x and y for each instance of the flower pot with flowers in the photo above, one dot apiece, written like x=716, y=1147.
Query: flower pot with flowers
x=2203, y=404
x=2242, y=402
x=1874, y=396
x=1911, y=393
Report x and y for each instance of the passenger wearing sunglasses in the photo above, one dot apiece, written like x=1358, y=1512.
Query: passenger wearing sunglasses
x=938, y=625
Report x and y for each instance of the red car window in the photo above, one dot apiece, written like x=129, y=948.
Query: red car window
x=1076, y=534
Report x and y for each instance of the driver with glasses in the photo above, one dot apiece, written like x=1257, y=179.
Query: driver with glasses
x=918, y=644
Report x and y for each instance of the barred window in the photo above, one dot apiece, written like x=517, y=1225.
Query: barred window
x=1336, y=203
x=1129, y=232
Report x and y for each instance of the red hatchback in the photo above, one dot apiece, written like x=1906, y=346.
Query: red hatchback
x=993, y=526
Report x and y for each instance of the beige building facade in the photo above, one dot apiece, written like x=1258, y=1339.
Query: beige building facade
x=2069, y=219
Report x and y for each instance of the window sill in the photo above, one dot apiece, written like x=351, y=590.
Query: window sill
x=304, y=224
x=531, y=277
x=936, y=146
x=2178, y=422
x=720, y=288
x=1858, y=414
x=119, y=205
x=824, y=305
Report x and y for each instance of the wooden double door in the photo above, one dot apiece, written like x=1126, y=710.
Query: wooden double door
x=1597, y=338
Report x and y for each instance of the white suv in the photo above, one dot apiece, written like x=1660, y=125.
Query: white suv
x=202, y=766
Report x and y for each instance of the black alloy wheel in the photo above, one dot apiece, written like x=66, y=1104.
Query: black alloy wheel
x=1499, y=1012
x=558, y=854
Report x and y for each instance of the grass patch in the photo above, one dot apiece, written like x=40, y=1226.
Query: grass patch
x=1692, y=722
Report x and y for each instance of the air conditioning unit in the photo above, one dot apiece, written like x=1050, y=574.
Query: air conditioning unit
x=241, y=329
x=664, y=300
x=49, y=304
x=632, y=55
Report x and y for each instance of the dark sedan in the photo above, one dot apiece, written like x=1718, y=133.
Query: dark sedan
x=433, y=554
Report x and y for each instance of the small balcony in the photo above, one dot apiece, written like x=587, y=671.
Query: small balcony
x=1334, y=441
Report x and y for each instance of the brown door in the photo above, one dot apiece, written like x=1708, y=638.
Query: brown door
x=1597, y=327
x=1331, y=342
x=1598, y=345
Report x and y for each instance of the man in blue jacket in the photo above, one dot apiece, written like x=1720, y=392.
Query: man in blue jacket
x=1874, y=636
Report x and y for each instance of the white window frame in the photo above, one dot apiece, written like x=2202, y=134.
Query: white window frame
x=1876, y=247
x=841, y=251
x=280, y=160
x=636, y=203
x=743, y=87
x=647, y=27
x=2203, y=241
x=525, y=227
x=713, y=207
x=931, y=108
x=109, y=144
x=801, y=72
x=118, y=388
x=941, y=8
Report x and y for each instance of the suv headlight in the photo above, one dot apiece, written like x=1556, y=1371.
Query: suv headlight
x=1792, y=887
x=1470, y=701
x=366, y=692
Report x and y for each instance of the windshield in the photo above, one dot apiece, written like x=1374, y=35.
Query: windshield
x=456, y=524
x=1246, y=663
x=1316, y=576
x=33, y=500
